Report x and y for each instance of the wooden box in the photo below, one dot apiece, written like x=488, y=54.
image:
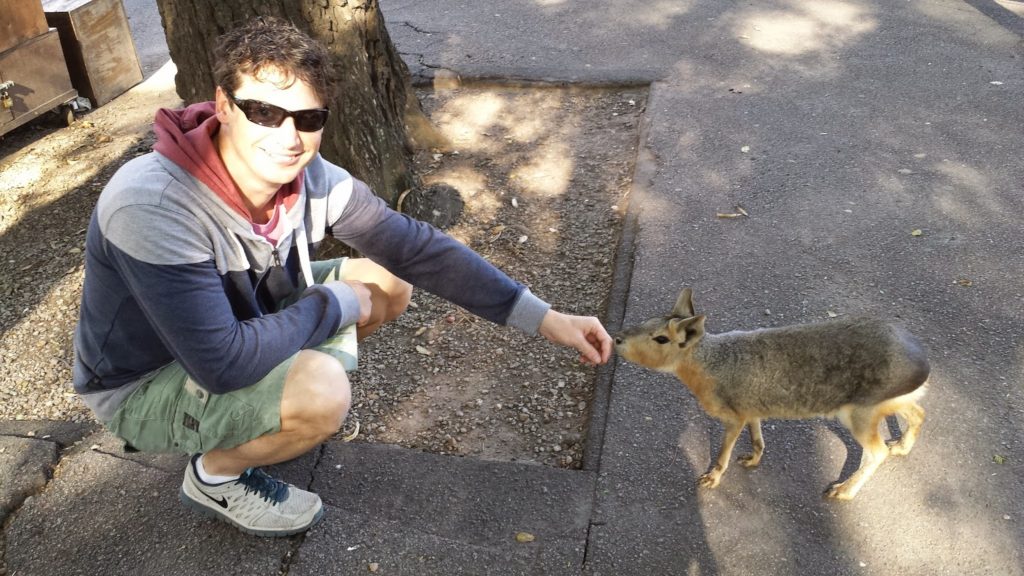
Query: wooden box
x=39, y=80
x=20, y=20
x=98, y=46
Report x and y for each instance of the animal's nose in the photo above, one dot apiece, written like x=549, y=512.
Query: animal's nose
x=618, y=340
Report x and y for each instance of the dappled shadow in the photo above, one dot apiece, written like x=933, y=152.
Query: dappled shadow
x=543, y=172
x=50, y=181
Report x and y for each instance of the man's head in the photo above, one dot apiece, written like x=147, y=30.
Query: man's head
x=274, y=84
x=271, y=49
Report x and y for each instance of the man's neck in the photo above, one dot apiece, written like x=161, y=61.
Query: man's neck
x=261, y=207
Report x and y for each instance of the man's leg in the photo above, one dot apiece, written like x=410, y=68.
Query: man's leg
x=314, y=403
x=226, y=482
x=317, y=394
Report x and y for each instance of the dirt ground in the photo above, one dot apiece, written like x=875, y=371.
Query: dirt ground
x=543, y=174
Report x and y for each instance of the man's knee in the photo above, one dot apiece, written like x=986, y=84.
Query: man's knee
x=317, y=393
x=400, y=299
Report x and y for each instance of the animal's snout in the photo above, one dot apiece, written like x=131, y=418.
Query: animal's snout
x=618, y=339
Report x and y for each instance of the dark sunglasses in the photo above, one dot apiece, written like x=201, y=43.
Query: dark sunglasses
x=259, y=112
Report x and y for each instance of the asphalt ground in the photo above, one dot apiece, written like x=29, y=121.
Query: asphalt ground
x=874, y=147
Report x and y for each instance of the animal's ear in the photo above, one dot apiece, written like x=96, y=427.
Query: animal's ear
x=684, y=304
x=686, y=331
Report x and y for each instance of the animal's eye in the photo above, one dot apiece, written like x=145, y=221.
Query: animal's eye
x=661, y=339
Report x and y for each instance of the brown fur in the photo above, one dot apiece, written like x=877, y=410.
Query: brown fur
x=858, y=370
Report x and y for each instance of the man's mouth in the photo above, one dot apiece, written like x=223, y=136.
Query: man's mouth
x=284, y=158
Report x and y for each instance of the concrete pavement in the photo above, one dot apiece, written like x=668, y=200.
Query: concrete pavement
x=841, y=128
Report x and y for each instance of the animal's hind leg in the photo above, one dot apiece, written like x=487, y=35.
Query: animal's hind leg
x=863, y=423
x=914, y=415
x=754, y=458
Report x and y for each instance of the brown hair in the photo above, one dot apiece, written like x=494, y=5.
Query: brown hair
x=266, y=45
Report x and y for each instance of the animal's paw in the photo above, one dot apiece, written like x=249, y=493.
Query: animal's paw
x=709, y=480
x=750, y=460
x=840, y=491
x=898, y=448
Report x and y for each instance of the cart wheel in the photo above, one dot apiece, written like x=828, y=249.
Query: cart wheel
x=67, y=114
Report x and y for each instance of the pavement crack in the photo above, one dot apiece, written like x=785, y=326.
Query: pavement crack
x=417, y=29
x=299, y=539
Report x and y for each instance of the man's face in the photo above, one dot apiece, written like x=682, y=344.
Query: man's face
x=259, y=158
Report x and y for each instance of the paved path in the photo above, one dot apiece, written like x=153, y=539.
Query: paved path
x=840, y=127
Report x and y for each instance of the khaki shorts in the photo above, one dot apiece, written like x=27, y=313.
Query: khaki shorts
x=169, y=412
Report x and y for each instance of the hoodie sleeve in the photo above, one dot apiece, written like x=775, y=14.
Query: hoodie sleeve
x=178, y=289
x=430, y=259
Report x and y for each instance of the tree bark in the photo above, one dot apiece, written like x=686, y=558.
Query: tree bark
x=376, y=121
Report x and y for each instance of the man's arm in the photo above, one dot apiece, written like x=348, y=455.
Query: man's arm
x=429, y=259
x=433, y=261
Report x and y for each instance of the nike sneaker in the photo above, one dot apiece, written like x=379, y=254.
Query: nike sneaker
x=255, y=503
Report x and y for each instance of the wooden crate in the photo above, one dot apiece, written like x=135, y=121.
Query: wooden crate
x=98, y=46
x=40, y=80
x=20, y=20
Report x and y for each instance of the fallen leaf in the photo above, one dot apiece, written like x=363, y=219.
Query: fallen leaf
x=729, y=215
x=831, y=314
x=423, y=351
x=515, y=203
x=964, y=282
x=745, y=149
x=999, y=459
x=421, y=330
x=352, y=435
x=741, y=210
x=916, y=232
x=524, y=537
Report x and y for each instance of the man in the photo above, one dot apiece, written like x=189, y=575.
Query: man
x=205, y=327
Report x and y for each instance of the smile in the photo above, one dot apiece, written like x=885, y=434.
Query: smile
x=282, y=157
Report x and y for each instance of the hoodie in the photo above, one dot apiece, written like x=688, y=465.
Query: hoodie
x=174, y=270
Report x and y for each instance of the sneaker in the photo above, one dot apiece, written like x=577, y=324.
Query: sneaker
x=255, y=503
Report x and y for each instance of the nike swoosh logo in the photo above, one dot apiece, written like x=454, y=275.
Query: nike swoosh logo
x=223, y=502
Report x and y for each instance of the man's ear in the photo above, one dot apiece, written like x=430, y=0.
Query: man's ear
x=223, y=105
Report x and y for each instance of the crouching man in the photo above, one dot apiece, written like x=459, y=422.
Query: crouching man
x=206, y=326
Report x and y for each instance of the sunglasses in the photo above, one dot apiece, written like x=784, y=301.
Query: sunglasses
x=259, y=112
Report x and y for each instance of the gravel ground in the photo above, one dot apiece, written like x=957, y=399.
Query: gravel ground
x=542, y=173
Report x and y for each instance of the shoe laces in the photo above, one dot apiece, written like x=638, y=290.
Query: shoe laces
x=259, y=482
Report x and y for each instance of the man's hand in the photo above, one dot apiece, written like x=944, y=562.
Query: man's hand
x=584, y=333
x=365, y=302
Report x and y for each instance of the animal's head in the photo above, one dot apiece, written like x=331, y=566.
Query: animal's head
x=659, y=343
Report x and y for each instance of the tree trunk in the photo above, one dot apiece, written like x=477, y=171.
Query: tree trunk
x=376, y=121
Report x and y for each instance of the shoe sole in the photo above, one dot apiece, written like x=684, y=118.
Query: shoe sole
x=207, y=511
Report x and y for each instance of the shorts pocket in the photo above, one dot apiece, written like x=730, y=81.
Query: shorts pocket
x=145, y=419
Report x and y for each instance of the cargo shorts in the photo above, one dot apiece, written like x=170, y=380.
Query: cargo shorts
x=170, y=412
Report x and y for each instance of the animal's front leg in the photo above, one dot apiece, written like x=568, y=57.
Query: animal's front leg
x=733, y=429
x=754, y=458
